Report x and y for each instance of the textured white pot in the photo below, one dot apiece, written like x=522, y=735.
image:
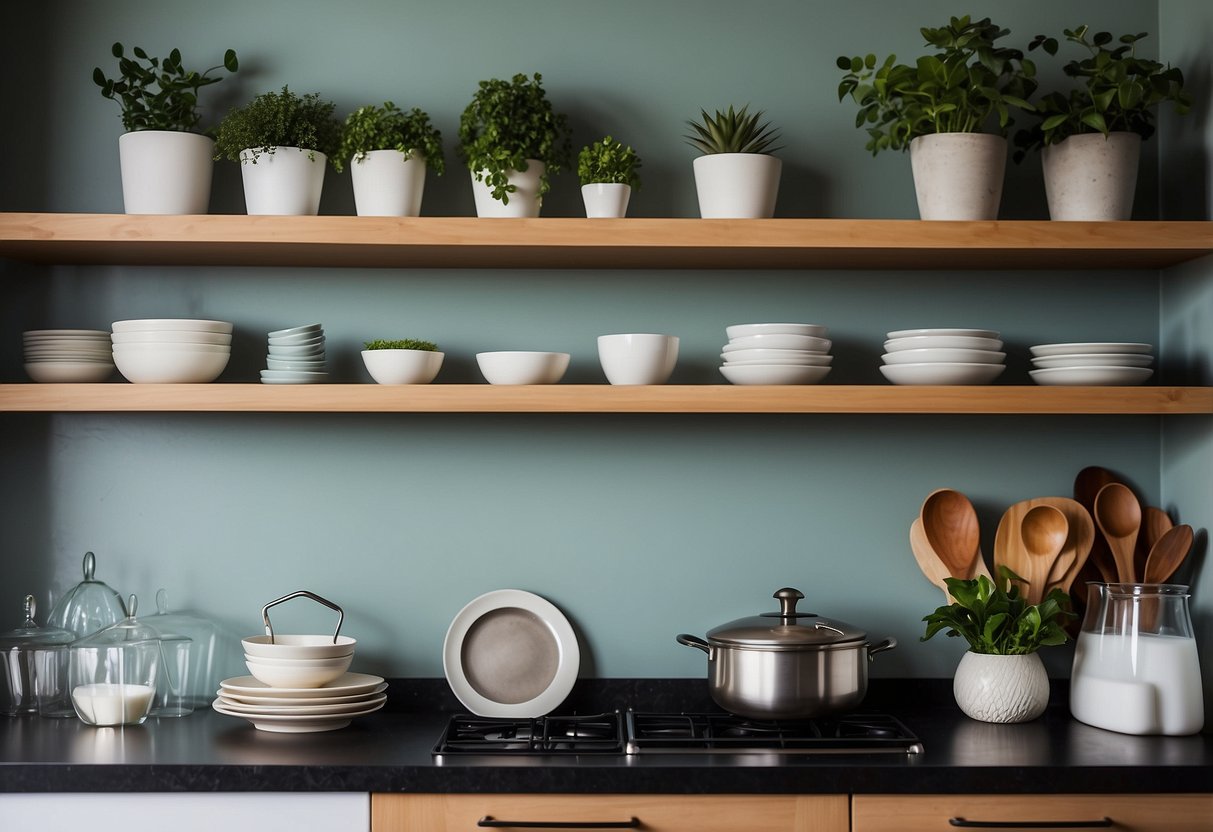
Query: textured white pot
x=958, y=176
x=1089, y=177
x=606, y=199
x=1001, y=688
x=737, y=185
x=166, y=172
x=524, y=202
x=388, y=185
x=286, y=182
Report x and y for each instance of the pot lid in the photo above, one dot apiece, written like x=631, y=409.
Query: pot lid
x=29, y=636
x=787, y=629
x=89, y=606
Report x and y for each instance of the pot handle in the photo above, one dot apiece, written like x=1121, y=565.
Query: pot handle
x=693, y=641
x=888, y=644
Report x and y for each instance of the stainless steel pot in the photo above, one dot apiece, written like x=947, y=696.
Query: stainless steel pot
x=787, y=664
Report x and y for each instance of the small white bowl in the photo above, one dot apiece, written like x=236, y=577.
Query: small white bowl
x=306, y=329
x=172, y=324
x=307, y=365
x=296, y=352
x=402, y=366
x=942, y=373
x=744, y=330
x=342, y=661
x=69, y=372
x=637, y=358
x=169, y=366
x=816, y=359
x=1105, y=348
x=942, y=342
x=171, y=336
x=520, y=367
x=773, y=374
x=1094, y=360
x=299, y=646
x=960, y=333
x=299, y=340
x=779, y=342
x=950, y=356
x=277, y=676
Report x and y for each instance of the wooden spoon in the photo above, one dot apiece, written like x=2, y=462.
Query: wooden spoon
x=928, y=561
x=951, y=527
x=1008, y=541
x=1086, y=487
x=1154, y=524
x=1044, y=531
x=1167, y=554
x=1118, y=514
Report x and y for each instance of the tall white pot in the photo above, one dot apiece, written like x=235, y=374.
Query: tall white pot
x=1001, y=688
x=958, y=176
x=737, y=185
x=524, y=202
x=1090, y=177
x=166, y=172
x=388, y=185
x=286, y=181
x=606, y=199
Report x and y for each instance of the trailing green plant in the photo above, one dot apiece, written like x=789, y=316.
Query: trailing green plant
x=157, y=94
x=608, y=161
x=508, y=122
x=1117, y=91
x=733, y=132
x=388, y=128
x=279, y=119
x=969, y=85
x=998, y=621
x=404, y=344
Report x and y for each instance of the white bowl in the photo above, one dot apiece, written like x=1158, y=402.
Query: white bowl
x=779, y=342
x=942, y=373
x=342, y=661
x=942, y=342
x=773, y=374
x=961, y=333
x=298, y=646
x=815, y=359
x=296, y=352
x=1094, y=360
x=946, y=355
x=307, y=365
x=1095, y=376
x=65, y=333
x=519, y=367
x=402, y=366
x=313, y=329
x=745, y=330
x=301, y=339
x=1042, y=350
x=169, y=366
x=172, y=324
x=637, y=358
x=169, y=347
x=69, y=372
x=277, y=676
x=171, y=336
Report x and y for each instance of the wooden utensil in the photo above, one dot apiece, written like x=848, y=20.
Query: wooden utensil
x=1086, y=487
x=1008, y=541
x=1154, y=524
x=1118, y=515
x=928, y=561
x=1044, y=531
x=1078, y=546
x=951, y=527
x=1167, y=554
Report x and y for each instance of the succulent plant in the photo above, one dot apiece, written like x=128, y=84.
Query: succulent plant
x=733, y=132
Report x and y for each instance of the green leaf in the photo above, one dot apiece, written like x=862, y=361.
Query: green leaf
x=1096, y=122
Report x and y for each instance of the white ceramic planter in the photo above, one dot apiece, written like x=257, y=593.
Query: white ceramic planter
x=524, y=202
x=737, y=185
x=606, y=199
x=402, y=366
x=1001, y=688
x=287, y=181
x=958, y=176
x=166, y=172
x=1089, y=177
x=388, y=185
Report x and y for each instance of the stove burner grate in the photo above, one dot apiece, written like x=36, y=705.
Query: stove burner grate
x=577, y=734
x=698, y=733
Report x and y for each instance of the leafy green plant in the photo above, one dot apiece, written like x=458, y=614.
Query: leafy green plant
x=610, y=162
x=279, y=119
x=961, y=88
x=1118, y=91
x=997, y=621
x=733, y=132
x=158, y=94
x=508, y=122
x=404, y=344
x=388, y=128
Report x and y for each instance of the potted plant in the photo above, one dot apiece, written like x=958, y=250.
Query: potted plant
x=512, y=141
x=166, y=163
x=406, y=361
x=1001, y=677
x=940, y=108
x=736, y=176
x=1090, y=136
x=281, y=141
x=388, y=151
x=607, y=170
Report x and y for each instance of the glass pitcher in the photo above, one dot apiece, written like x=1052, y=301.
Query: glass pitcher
x=1136, y=668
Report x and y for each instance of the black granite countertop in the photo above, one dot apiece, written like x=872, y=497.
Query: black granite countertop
x=390, y=751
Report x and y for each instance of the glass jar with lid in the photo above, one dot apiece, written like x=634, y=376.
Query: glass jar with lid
x=34, y=664
x=89, y=606
x=113, y=673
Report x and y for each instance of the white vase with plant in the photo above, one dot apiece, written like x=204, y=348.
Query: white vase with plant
x=388, y=152
x=406, y=361
x=607, y=171
x=737, y=176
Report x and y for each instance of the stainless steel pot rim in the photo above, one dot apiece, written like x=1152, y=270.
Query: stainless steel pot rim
x=786, y=647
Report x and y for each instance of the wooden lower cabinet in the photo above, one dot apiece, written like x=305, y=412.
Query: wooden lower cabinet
x=653, y=813
x=954, y=813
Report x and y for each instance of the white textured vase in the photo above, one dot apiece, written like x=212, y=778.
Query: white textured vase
x=737, y=185
x=388, y=185
x=287, y=181
x=166, y=172
x=1090, y=177
x=524, y=202
x=606, y=199
x=1001, y=688
x=958, y=176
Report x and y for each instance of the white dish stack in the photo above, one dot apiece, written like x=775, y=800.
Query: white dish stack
x=171, y=350
x=296, y=356
x=78, y=356
x=776, y=354
x=943, y=356
x=1097, y=364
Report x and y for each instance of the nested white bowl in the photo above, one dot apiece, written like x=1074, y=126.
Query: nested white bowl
x=402, y=366
x=951, y=356
x=942, y=342
x=298, y=339
x=307, y=365
x=69, y=372
x=522, y=367
x=296, y=351
x=66, y=333
x=1095, y=376
x=171, y=336
x=745, y=330
x=816, y=359
x=188, y=324
x=169, y=366
x=305, y=329
x=299, y=646
x=1107, y=347
x=317, y=664
x=172, y=348
x=278, y=676
x=779, y=342
x=1094, y=360
x=942, y=373
x=962, y=333
x=773, y=373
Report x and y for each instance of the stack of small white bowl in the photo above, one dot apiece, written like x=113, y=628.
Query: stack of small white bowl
x=171, y=350
x=776, y=354
x=943, y=356
x=296, y=356
x=1098, y=364
x=68, y=355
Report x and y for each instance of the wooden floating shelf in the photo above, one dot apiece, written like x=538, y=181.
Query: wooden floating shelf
x=573, y=243
x=601, y=398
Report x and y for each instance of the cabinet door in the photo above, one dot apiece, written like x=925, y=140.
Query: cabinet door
x=653, y=813
x=951, y=813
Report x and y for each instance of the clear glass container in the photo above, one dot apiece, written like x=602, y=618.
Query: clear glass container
x=113, y=673
x=32, y=657
x=193, y=674
x=89, y=606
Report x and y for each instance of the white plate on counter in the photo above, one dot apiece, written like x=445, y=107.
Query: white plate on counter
x=301, y=724
x=270, y=699
x=1092, y=376
x=297, y=709
x=346, y=685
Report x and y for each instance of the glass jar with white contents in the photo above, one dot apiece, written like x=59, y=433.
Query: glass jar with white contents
x=112, y=673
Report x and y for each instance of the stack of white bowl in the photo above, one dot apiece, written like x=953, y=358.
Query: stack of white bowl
x=296, y=356
x=68, y=355
x=776, y=354
x=943, y=356
x=1099, y=364
x=171, y=350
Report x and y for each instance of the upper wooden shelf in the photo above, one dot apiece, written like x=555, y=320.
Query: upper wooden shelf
x=470, y=242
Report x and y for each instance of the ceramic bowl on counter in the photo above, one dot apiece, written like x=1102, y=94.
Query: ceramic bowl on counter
x=522, y=367
x=299, y=646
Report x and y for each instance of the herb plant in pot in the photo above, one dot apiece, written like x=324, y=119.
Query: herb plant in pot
x=166, y=163
x=406, y=361
x=607, y=170
x=939, y=108
x=736, y=177
x=388, y=152
x=281, y=141
x=512, y=141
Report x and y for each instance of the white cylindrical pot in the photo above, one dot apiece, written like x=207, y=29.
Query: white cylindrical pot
x=1090, y=177
x=1001, y=688
x=958, y=176
x=286, y=181
x=524, y=202
x=606, y=199
x=737, y=185
x=166, y=172
x=388, y=185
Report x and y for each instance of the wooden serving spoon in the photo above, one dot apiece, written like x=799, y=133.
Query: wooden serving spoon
x=951, y=527
x=1086, y=487
x=1167, y=554
x=1154, y=524
x=1044, y=531
x=1118, y=514
x=928, y=561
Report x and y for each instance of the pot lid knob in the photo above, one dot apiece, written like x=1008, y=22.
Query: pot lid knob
x=787, y=601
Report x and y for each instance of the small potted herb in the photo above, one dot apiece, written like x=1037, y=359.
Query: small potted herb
x=388, y=152
x=736, y=176
x=406, y=361
x=607, y=170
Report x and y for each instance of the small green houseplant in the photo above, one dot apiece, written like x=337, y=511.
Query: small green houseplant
x=607, y=171
x=389, y=151
x=737, y=176
x=403, y=361
x=157, y=94
x=401, y=344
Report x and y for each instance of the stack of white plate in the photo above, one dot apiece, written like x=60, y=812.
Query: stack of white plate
x=943, y=356
x=1100, y=364
x=171, y=350
x=301, y=710
x=68, y=355
x=296, y=356
x=776, y=354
